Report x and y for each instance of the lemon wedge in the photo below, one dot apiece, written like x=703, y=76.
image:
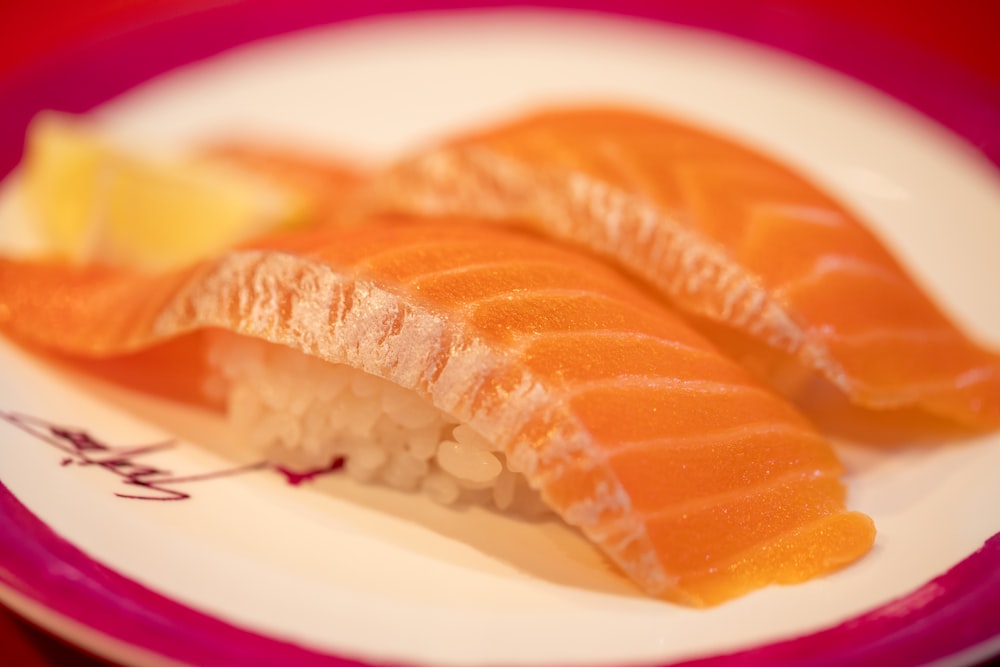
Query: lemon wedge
x=94, y=201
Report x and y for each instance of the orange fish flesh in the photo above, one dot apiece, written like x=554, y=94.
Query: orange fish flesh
x=699, y=483
x=777, y=272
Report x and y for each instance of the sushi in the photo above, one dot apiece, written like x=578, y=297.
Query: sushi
x=325, y=185
x=776, y=272
x=475, y=363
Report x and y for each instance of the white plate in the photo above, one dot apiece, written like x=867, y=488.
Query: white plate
x=375, y=575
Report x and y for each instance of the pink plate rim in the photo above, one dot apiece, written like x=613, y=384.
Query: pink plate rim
x=952, y=616
x=85, y=74
x=951, y=619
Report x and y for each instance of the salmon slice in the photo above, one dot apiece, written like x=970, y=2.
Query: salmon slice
x=781, y=275
x=698, y=482
x=326, y=185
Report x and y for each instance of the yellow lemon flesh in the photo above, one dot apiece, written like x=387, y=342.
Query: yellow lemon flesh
x=96, y=202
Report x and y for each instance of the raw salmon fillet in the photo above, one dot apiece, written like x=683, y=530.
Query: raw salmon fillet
x=779, y=274
x=325, y=185
x=700, y=484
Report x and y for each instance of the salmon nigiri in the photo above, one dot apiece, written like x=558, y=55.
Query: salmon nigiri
x=326, y=185
x=778, y=273
x=497, y=363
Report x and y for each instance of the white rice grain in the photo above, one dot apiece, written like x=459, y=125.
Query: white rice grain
x=470, y=464
x=303, y=413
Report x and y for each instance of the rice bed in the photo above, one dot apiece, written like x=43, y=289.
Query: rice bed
x=302, y=413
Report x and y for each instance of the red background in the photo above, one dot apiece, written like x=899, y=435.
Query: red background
x=962, y=33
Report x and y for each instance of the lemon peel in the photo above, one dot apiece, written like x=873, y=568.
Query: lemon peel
x=96, y=202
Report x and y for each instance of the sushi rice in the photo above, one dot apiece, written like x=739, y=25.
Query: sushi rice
x=303, y=413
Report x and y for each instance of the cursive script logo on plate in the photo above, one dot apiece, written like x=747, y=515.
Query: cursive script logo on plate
x=83, y=449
